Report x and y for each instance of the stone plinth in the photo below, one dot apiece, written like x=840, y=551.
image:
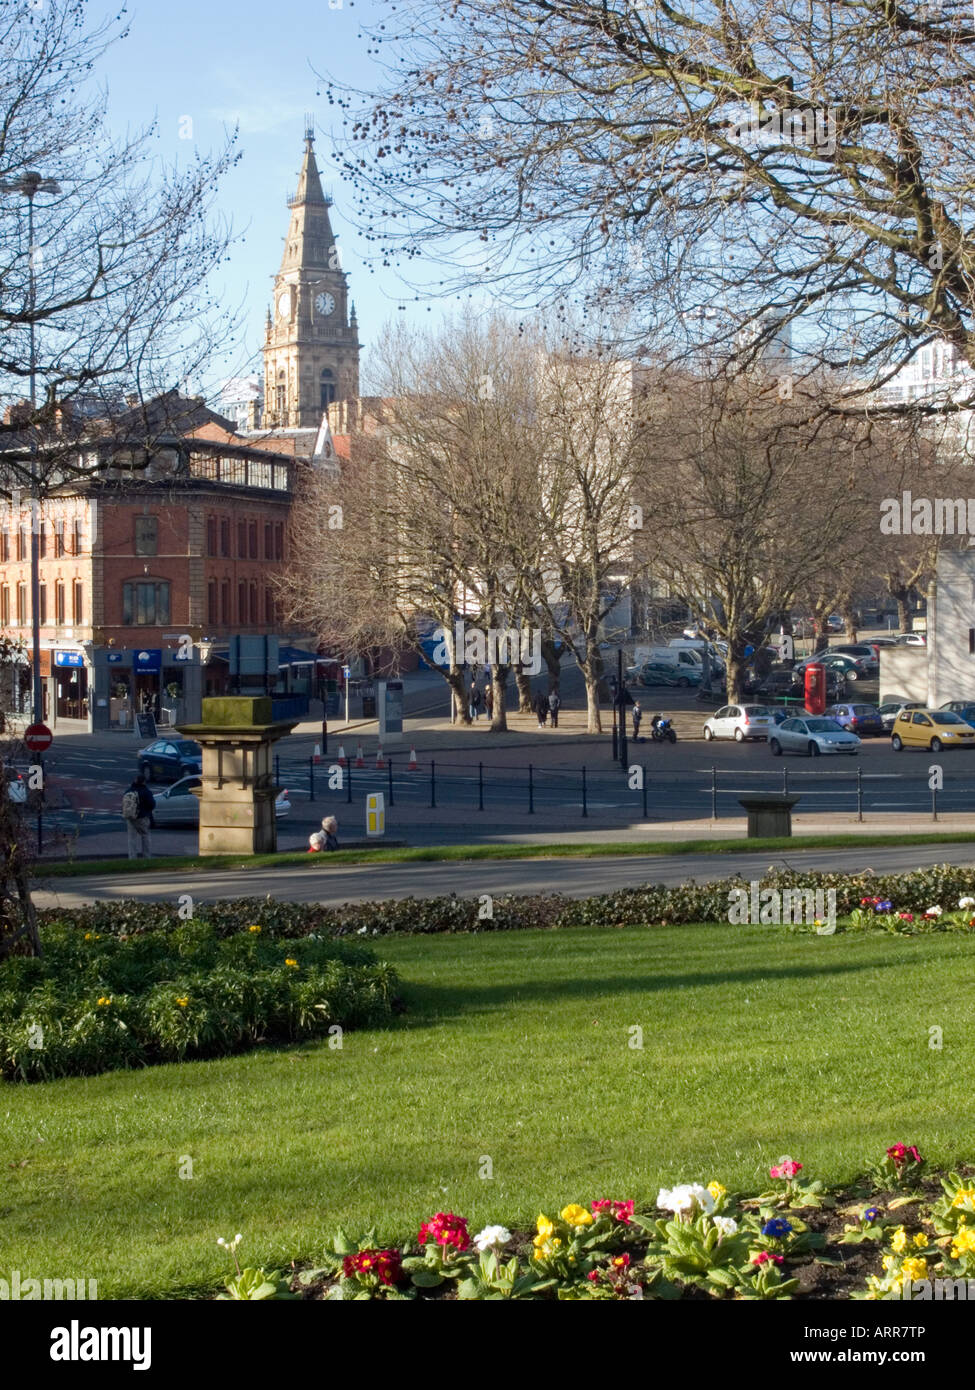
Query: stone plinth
x=238, y=793
x=769, y=814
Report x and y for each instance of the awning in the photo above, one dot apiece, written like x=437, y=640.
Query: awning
x=294, y=656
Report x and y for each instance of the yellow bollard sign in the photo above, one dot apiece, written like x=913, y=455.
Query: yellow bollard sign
x=375, y=814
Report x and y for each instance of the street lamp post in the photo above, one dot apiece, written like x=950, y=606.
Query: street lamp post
x=29, y=185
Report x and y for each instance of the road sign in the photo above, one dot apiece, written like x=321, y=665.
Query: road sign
x=38, y=738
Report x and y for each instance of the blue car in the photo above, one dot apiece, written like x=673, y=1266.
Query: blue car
x=169, y=759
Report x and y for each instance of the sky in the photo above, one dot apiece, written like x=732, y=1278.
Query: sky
x=222, y=63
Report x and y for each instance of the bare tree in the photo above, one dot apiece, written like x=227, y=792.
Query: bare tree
x=18, y=918
x=809, y=160
x=105, y=256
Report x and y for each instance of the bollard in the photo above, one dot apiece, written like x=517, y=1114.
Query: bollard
x=585, y=808
x=934, y=801
x=433, y=784
x=859, y=793
x=644, y=781
x=311, y=778
x=480, y=786
x=714, y=792
x=390, y=766
x=531, y=791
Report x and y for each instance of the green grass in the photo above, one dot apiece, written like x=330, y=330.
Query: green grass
x=757, y=1043
x=430, y=853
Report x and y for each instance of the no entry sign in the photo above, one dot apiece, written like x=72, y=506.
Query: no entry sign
x=38, y=738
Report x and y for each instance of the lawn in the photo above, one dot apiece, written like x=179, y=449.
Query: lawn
x=515, y=1048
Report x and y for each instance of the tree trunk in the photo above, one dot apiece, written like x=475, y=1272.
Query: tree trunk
x=905, y=615
x=593, y=679
x=524, y=685
x=850, y=619
x=553, y=660
x=455, y=679
x=499, y=682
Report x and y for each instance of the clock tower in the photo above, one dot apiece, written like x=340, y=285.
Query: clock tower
x=311, y=341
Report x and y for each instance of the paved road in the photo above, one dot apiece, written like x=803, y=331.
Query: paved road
x=573, y=877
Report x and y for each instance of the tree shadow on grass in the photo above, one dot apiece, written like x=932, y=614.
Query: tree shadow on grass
x=428, y=1005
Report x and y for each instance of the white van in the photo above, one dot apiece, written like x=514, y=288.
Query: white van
x=668, y=656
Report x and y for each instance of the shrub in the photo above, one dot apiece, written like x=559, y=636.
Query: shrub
x=164, y=991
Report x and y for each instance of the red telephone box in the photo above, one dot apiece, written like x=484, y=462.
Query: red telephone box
x=815, y=687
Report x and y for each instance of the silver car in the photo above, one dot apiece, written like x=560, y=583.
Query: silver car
x=178, y=806
x=812, y=735
x=739, y=722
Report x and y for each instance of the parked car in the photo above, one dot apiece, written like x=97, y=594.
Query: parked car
x=890, y=709
x=864, y=652
x=879, y=642
x=665, y=673
x=178, y=806
x=739, y=722
x=931, y=728
x=965, y=709
x=778, y=685
x=812, y=735
x=16, y=786
x=835, y=623
x=848, y=667
x=911, y=639
x=169, y=759
x=862, y=720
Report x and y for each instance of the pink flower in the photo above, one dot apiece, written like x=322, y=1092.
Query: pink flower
x=788, y=1168
x=765, y=1256
x=620, y=1211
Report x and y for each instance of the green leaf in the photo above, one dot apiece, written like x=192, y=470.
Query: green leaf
x=426, y=1279
x=342, y=1245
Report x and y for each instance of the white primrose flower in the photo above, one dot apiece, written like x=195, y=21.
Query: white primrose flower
x=933, y=911
x=689, y=1197
x=491, y=1236
x=727, y=1225
x=966, y=902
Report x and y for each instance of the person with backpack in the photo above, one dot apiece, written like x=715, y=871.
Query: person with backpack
x=138, y=804
x=554, y=703
x=637, y=717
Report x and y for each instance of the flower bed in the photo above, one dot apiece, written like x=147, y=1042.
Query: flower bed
x=97, y=1000
x=912, y=898
x=893, y=1236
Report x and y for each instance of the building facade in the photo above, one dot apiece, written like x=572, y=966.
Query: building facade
x=144, y=581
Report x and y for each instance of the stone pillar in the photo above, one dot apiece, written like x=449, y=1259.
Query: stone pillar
x=237, y=795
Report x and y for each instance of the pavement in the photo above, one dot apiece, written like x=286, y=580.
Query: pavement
x=336, y=884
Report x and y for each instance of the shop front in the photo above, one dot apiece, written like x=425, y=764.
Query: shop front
x=69, y=677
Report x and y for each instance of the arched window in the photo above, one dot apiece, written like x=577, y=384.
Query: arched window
x=328, y=387
x=280, y=394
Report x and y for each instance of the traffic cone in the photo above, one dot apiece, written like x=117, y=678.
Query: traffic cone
x=318, y=753
x=341, y=756
x=359, y=759
x=412, y=765
x=379, y=757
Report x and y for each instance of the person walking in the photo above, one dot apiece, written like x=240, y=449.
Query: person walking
x=138, y=804
x=541, y=709
x=489, y=700
x=554, y=703
x=637, y=716
x=476, y=701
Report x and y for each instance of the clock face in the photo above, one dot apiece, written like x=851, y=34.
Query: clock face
x=284, y=304
x=325, y=304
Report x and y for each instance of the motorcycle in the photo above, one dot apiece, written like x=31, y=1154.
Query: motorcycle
x=662, y=730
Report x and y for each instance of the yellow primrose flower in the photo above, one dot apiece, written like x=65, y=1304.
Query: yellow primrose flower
x=964, y=1197
x=898, y=1241
x=888, y=1262
x=545, y=1226
x=920, y=1240
x=88, y=936
x=182, y=1003
x=576, y=1215
x=915, y=1269
x=292, y=962
x=546, y=1247
x=963, y=1244
x=255, y=928
x=104, y=1001
x=717, y=1191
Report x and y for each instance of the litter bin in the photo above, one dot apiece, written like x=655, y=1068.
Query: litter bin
x=769, y=814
